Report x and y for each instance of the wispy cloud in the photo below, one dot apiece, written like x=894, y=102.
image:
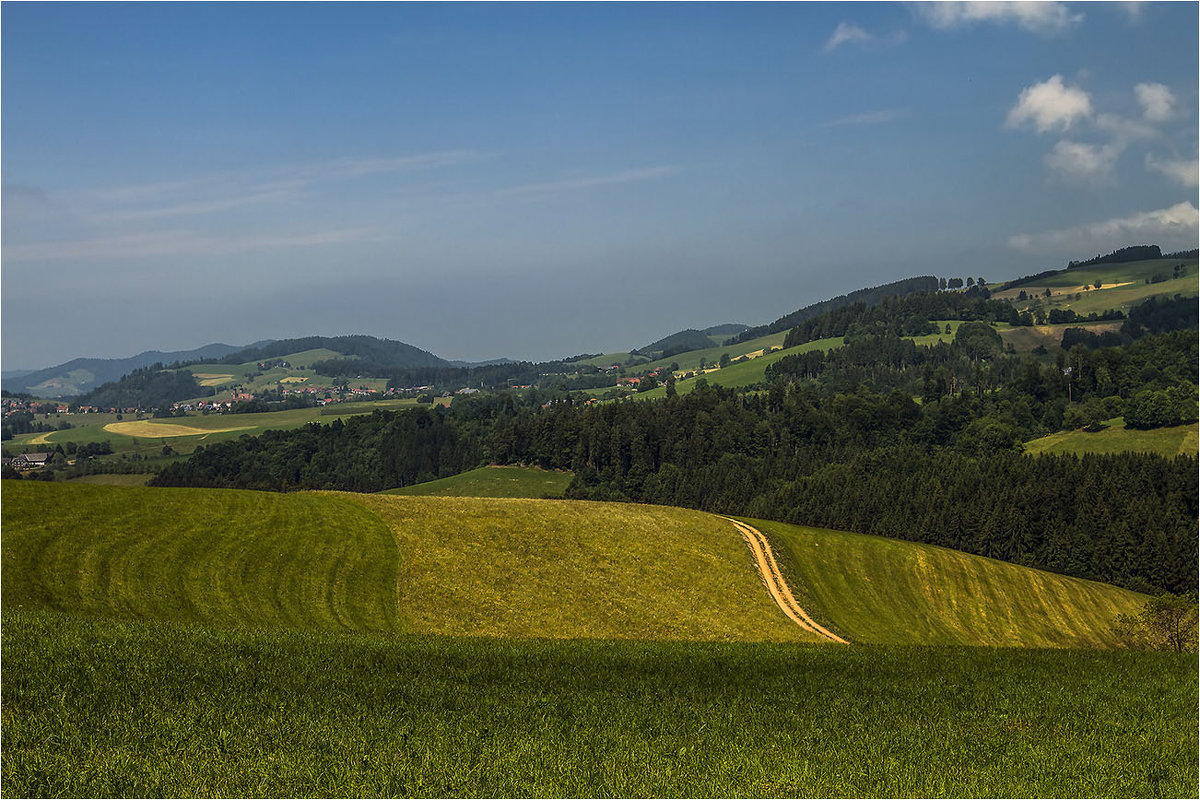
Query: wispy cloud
x=1083, y=162
x=229, y=190
x=866, y=118
x=1156, y=100
x=1036, y=16
x=1182, y=170
x=1176, y=226
x=175, y=243
x=550, y=188
x=846, y=32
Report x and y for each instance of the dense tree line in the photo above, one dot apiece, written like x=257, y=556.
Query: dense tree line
x=868, y=297
x=1142, y=252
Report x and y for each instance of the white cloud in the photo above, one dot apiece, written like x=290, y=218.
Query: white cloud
x=1086, y=162
x=174, y=243
x=1037, y=17
x=1182, y=170
x=1172, y=228
x=846, y=32
x=1158, y=104
x=1050, y=105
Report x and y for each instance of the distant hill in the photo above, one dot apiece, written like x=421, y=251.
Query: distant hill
x=681, y=342
x=727, y=329
x=871, y=296
x=81, y=375
x=378, y=352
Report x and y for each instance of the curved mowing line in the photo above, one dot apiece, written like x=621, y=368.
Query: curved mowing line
x=772, y=576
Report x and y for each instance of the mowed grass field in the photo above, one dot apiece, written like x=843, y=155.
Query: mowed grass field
x=174, y=642
x=1116, y=438
x=1122, y=285
x=492, y=481
x=885, y=591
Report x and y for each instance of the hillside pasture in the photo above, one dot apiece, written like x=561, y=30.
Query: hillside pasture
x=744, y=373
x=887, y=591
x=492, y=481
x=1025, y=338
x=1116, y=438
x=1122, y=286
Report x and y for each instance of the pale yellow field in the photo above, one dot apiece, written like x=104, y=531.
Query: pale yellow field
x=151, y=430
x=212, y=379
x=293, y=379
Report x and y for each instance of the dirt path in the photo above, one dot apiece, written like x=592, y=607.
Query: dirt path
x=781, y=593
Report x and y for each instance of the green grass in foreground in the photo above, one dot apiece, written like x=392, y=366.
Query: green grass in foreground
x=1116, y=438
x=99, y=707
x=492, y=481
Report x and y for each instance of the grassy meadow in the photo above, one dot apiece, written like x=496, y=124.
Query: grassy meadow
x=1116, y=438
x=492, y=481
x=183, y=642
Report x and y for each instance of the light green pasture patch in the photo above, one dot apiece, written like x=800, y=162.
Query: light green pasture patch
x=493, y=481
x=1116, y=438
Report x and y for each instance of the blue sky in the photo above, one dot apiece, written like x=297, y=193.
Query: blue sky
x=536, y=181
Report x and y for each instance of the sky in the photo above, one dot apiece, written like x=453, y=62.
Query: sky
x=540, y=180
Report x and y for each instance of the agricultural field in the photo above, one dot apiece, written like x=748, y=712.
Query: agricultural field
x=492, y=481
x=146, y=437
x=186, y=642
x=1116, y=438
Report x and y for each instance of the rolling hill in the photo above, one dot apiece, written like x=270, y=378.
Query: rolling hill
x=509, y=567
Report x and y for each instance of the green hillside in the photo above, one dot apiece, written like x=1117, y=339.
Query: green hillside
x=508, y=567
x=463, y=566
x=493, y=481
x=1116, y=438
x=1123, y=286
x=885, y=591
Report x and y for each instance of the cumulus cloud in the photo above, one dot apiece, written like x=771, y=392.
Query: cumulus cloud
x=1156, y=100
x=846, y=32
x=1084, y=162
x=1050, y=105
x=1172, y=228
x=1037, y=17
x=1182, y=170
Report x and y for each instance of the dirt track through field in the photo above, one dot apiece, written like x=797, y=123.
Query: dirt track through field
x=781, y=593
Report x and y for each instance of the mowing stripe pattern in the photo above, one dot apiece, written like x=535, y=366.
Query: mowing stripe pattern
x=781, y=593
